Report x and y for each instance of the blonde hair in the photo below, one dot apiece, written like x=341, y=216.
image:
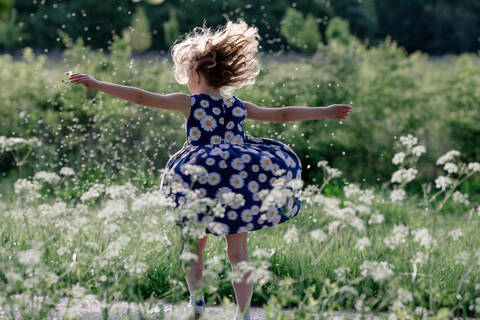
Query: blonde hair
x=225, y=57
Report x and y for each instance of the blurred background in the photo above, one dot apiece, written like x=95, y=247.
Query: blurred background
x=406, y=66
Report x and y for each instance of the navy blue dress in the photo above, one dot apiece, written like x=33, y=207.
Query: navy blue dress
x=236, y=162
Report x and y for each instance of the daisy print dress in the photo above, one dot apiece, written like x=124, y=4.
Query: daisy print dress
x=236, y=162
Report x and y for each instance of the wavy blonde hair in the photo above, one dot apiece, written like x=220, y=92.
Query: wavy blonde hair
x=225, y=56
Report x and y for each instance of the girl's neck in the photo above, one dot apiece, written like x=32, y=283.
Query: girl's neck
x=208, y=90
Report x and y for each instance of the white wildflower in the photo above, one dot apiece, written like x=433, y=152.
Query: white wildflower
x=397, y=195
x=455, y=234
x=341, y=272
x=419, y=258
x=29, y=257
x=114, y=248
x=447, y=157
x=362, y=243
x=398, y=158
x=442, y=182
x=474, y=166
x=404, y=175
x=376, y=218
x=94, y=192
x=399, y=236
x=422, y=236
x=377, y=270
x=419, y=150
x=49, y=177
x=450, y=167
x=121, y=191
x=333, y=172
x=459, y=197
x=194, y=170
x=318, y=235
x=462, y=258
x=295, y=184
x=409, y=140
x=22, y=186
x=322, y=163
x=67, y=171
x=291, y=235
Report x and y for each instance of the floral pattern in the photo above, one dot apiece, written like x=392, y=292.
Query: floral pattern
x=235, y=162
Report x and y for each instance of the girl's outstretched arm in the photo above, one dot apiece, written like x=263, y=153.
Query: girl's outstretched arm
x=174, y=101
x=294, y=113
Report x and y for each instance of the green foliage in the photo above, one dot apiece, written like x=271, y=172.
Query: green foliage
x=139, y=33
x=300, y=32
x=171, y=28
x=339, y=30
x=5, y=6
x=10, y=32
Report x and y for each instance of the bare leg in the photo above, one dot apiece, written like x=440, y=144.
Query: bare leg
x=194, y=272
x=237, y=251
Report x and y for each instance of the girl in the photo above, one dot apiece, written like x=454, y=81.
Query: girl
x=210, y=62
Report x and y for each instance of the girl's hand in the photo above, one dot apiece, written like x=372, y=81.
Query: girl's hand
x=85, y=79
x=338, y=111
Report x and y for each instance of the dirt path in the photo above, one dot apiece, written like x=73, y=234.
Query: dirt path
x=91, y=310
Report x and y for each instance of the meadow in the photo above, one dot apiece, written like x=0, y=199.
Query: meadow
x=391, y=205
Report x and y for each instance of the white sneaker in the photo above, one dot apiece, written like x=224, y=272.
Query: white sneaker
x=198, y=308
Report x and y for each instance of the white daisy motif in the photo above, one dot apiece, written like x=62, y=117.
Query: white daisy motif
x=236, y=181
x=216, y=111
x=221, y=120
x=289, y=175
x=230, y=125
x=272, y=181
x=299, y=175
x=255, y=210
x=199, y=113
x=266, y=163
x=225, y=155
x=216, y=151
x=246, y=158
x=195, y=133
x=255, y=168
x=271, y=213
x=275, y=168
x=256, y=197
x=276, y=220
x=280, y=154
x=177, y=178
x=204, y=103
x=203, y=179
x=228, y=136
x=262, y=219
x=207, y=219
x=208, y=123
x=201, y=192
x=232, y=215
x=242, y=229
x=243, y=174
x=216, y=139
x=238, y=112
x=192, y=100
x=246, y=215
x=210, y=161
x=262, y=177
x=214, y=178
x=237, y=139
x=237, y=164
x=222, y=164
x=250, y=226
x=253, y=186
x=228, y=101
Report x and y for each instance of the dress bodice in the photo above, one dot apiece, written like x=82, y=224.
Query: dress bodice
x=215, y=120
